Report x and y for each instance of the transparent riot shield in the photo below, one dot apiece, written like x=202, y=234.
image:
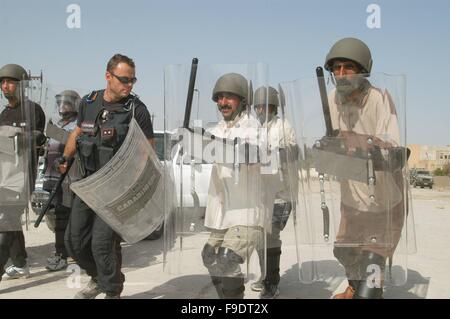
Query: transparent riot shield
x=3, y=102
x=61, y=108
x=13, y=188
x=215, y=152
x=280, y=179
x=351, y=204
x=18, y=155
x=128, y=192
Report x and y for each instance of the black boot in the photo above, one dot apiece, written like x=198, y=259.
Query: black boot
x=233, y=287
x=259, y=284
x=363, y=291
x=217, y=282
x=272, y=279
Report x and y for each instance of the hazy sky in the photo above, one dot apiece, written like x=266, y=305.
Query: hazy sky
x=292, y=37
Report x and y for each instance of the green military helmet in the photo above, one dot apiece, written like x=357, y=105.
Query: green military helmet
x=13, y=71
x=352, y=49
x=261, y=96
x=232, y=83
x=68, y=101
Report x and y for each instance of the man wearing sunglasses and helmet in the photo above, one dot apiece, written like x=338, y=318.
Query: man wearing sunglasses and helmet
x=102, y=126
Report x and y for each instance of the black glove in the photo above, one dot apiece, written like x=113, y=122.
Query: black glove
x=40, y=138
x=59, y=161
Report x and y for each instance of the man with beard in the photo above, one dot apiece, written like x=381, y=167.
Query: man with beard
x=102, y=125
x=364, y=119
x=12, y=243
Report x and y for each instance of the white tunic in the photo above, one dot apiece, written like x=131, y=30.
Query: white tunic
x=281, y=135
x=244, y=203
x=374, y=115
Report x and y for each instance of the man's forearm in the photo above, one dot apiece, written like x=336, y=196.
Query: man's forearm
x=70, y=148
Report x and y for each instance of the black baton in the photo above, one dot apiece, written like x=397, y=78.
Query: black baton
x=324, y=99
x=190, y=95
x=329, y=133
x=53, y=193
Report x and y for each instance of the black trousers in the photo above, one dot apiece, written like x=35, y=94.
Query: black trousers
x=12, y=245
x=281, y=213
x=62, y=214
x=95, y=247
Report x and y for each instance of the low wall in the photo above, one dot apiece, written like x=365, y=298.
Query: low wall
x=441, y=181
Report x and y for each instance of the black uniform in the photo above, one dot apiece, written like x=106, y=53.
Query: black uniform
x=89, y=240
x=12, y=243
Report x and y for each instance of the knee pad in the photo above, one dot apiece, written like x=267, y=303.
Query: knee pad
x=208, y=255
x=229, y=261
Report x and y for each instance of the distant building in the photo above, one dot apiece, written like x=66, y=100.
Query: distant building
x=429, y=157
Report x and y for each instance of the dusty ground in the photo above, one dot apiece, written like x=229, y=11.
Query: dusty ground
x=428, y=267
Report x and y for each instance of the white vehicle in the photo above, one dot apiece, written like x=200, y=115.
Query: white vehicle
x=193, y=178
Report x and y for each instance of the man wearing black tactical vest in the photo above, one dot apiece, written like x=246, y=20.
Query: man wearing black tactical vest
x=101, y=129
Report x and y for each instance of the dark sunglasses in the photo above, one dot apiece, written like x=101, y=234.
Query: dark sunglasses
x=124, y=79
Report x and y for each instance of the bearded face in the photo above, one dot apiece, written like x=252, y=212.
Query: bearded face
x=346, y=86
x=347, y=75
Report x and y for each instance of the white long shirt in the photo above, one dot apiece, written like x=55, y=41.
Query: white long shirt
x=244, y=203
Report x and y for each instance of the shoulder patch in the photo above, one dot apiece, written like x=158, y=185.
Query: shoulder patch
x=91, y=97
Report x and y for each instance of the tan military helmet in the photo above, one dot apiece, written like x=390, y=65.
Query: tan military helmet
x=352, y=49
x=265, y=94
x=13, y=71
x=232, y=83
